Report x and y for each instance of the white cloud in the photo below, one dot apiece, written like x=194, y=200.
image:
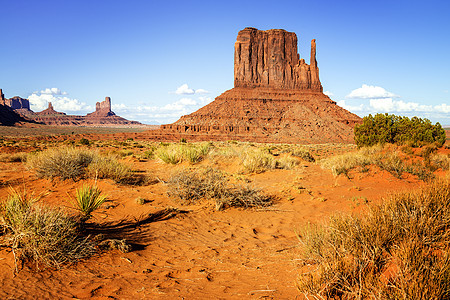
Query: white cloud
x=382, y=101
x=39, y=101
x=52, y=91
x=370, y=92
x=184, y=90
x=328, y=93
x=352, y=108
x=201, y=91
x=165, y=114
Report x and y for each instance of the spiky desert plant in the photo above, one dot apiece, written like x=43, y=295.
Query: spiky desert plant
x=88, y=198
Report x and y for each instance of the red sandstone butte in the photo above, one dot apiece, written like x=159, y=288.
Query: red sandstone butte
x=277, y=97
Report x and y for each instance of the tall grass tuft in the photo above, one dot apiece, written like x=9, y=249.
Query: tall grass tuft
x=399, y=250
x=88, y=198
x=257, y=161
x=176, y=153
x=45, y=235
x=64, y=163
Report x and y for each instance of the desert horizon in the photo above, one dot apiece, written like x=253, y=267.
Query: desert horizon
x=238, y=150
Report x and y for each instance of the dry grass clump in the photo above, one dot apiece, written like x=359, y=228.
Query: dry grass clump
x=441, y=161
x=191, y=185
x=74, y=163
x=257, y=160
x=399, y=250
x=13, y=157
x=44, y=235
x=342, y=164
x=64, y=163
x=303, y=154
x=107, y=167
x=176, y=153
x=286, y=162
x=385, y=157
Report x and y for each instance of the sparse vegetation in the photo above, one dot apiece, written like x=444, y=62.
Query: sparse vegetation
x=398, y=251
x=74, y=163
x=44, y=235
x=175, y=153
x=386, y=158
x=191, y=185
x=88, y=198
x=63, y=163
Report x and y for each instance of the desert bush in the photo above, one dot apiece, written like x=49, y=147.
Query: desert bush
x=191, y=185
x=286, y=162
x=107, y=167
x=64, y=163
x=256, y=160
x=88, y=198
x=303, y=154
x=72, y=163
x=245, y=196
x=399, y=250
x=85, y=142
x=385, y=128
x=44, y=235
x=441, y=161
x=13, y=157
x=342, y=164
x=175, y=153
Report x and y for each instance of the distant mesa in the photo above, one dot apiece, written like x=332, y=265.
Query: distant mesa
x=102, y=116
x=8, y=117
x=277, y=97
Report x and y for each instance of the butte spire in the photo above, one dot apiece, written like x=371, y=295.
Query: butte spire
x=277, y=97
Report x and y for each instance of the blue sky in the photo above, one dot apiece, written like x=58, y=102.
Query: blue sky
x=158, y=60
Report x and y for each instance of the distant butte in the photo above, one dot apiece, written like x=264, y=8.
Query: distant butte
x=102, y=116
x=277, y=97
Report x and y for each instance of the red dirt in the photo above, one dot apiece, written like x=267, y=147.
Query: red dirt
x=201, y=254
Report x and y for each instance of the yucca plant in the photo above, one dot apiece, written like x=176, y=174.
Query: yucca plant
x=88, y=198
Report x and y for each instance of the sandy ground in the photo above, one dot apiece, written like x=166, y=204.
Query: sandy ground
x=197, y=253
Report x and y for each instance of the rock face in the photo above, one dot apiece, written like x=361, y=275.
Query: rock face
x=102, y=109
x=15, y=102
x=277, y=97
x=270, y=59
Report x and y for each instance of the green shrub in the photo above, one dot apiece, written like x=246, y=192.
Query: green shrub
x=385, y=128
x=88, y=198
x=399, y=250
x=84, y=141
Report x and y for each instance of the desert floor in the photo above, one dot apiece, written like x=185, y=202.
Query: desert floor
x=195, y=251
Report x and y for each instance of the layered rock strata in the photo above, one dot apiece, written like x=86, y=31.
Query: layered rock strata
x=277, y=98
x=270, y=59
